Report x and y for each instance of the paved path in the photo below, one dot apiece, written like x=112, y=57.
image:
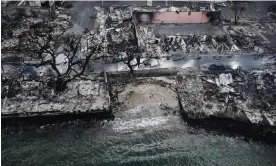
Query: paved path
x=246, y=62
x=188, y=29
x=82, y=12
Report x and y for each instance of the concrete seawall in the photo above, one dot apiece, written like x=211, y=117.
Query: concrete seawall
x=147, y=73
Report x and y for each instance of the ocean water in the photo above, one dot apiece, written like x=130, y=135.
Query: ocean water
x=142, y=136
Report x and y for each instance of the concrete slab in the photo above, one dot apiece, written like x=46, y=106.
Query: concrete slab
x=82, y=97
x=201, y=29
x=202, y=97
x=83, y=14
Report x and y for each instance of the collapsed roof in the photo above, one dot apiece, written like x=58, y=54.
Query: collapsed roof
x=242, y=95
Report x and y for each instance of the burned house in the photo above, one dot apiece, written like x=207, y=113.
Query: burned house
x=180, y=30
x=247, y=38
x=240, y=94
x=121, y=33
x=194, y=31
x=120, y=30
x=36, y=8
x=185, y=39
x=161, y=31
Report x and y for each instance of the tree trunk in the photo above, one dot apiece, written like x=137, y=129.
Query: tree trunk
x=130, y=69
x=236, y=17
x=61, y=85
x=138, y=61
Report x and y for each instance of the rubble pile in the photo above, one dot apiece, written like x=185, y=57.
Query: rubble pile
x=63, y=13
x=246, y=38
x=147, y=40
x=119, y=34
x=9, y=44
x=100, y=22
x=241, y=95
x=124, y=31
x=165, y=45
x=84, y=96
x=264, y=28
x=90, y=40
x=25, y=24
x=119, y=15
x=61, y=25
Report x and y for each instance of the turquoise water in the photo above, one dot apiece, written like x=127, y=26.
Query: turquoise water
x=143, y=136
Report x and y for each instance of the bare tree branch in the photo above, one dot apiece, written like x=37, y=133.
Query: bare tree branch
x=44, y=47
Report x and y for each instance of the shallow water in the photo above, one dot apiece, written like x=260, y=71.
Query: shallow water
x=145, y=135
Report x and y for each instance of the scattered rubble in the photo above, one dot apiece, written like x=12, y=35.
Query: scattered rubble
x=235, y=39
x=264, y=28
x=81, y=96
x=239, y=95
x=24, y=24
x=187, y=44
x=119, y=15
x=117, y=35
x=246, y=38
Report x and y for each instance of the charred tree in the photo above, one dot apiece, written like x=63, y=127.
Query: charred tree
x=46, y=46
x=238, y=8
x=132, y=56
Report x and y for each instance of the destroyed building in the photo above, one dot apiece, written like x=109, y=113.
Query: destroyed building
x=36, y=99
x=16, y=24
x=119, y=34
x=120, y=14
x=42, y=8
x=190, y=31
x=186, y=30
x=246, y=38
x=180, y=30
x=152, y=25
x=240, y=95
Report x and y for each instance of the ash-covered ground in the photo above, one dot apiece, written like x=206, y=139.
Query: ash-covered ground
x=32, y=98
x=240, y=95
x=119, y=38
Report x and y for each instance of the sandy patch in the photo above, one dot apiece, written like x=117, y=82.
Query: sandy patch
x=147, y=93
